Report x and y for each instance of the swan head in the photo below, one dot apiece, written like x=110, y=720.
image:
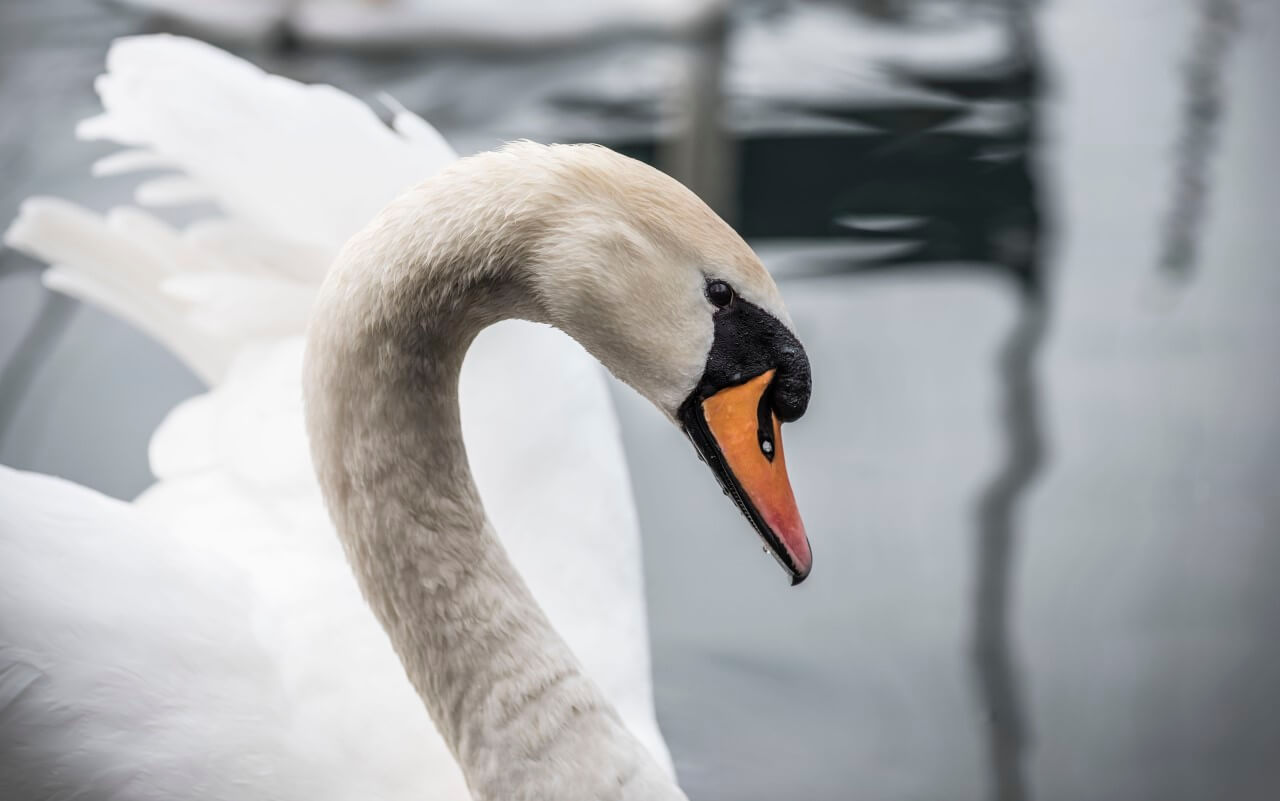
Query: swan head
x=667, y=295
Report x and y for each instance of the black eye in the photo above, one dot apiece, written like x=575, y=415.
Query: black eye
x=719, y=293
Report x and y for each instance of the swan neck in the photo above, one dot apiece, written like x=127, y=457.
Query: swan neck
x=389, y=333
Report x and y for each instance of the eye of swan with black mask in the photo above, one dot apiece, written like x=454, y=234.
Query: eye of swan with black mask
x=756, y=378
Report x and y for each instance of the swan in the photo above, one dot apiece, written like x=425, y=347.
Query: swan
x=230, y=295
x=64, y=548
x=639, y=271
x=651, y=282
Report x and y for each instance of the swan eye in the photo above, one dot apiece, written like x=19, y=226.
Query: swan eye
x=719, y=293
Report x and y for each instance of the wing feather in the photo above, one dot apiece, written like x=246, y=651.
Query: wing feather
x=290, y=170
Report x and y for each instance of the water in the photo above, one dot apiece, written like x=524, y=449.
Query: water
x=1033, y=267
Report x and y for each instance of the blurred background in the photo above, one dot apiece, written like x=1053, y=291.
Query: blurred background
x=1031, y=249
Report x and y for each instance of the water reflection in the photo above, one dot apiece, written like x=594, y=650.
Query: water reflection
x=996, y=536
x=993, y=655
x=1202, y=112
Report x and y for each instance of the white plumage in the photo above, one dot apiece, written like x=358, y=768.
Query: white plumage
x=209, y=640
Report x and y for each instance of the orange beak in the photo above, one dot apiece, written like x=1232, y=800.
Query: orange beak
x=740, y=438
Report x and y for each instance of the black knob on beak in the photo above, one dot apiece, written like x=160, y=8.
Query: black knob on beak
x=789, y=394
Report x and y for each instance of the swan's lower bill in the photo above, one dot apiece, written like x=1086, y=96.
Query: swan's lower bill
x=737, y=433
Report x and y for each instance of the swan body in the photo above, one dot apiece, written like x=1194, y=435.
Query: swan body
x=236, y=491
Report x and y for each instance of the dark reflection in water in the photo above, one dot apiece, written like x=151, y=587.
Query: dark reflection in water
x=962, y=198
x=1202, y=111
x=995, y=665
x=704, y=157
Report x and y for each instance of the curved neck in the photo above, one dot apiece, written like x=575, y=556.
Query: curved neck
x=388, y=337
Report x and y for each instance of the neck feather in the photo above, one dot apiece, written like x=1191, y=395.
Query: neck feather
x=388, y=337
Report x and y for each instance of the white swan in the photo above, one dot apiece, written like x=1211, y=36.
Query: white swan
x=651, y=282
x=623, y=259
x=230, y=295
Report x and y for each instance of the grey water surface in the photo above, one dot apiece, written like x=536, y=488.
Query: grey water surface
x=1039, y=285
